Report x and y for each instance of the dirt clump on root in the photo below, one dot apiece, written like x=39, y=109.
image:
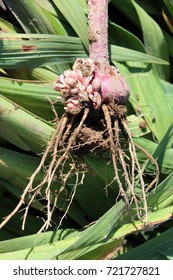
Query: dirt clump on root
x=89, y=130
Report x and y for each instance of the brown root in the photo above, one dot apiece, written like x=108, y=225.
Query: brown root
x=133, y=173
x=89, y=130
x=114, y=148
x=135, y=163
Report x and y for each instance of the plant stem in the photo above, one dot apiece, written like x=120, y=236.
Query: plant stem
x=98, y=30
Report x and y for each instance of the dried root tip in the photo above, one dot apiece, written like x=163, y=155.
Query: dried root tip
x=91, y=83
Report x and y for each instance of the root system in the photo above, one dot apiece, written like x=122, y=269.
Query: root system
x=104, y=129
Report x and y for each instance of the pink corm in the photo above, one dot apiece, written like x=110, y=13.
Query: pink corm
x=91, y=84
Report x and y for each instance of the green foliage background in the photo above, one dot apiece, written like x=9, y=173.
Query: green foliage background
x=38, y=41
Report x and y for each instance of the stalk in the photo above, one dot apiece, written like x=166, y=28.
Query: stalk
x=92, y=81
x=98, y=30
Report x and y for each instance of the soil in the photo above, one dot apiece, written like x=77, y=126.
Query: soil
x=93, y=135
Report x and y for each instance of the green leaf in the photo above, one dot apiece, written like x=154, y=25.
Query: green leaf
x=36, y=240
x=30, y=16
x=168, y=87
x=122, y=37
x=39, y=51
x=163, y=196
x=9, y=133
x=7, y=27
x=83, y=4
x=73, y=245
x=169, y=5
x=43, y=252
x=76, y=17
x=112, y=229
x=146, y=96
x=46, y=50
x=32, y=130
x=127, y=9
x=55, y=23
x=134, y=123
x=154, y=40
x=158, y=248
x=110, y=223
x=164, y=157
x=164, y=151
x=124, y=54
x=103, y=250
x=35, y=97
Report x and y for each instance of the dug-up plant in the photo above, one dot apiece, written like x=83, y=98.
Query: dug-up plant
x=94, y=95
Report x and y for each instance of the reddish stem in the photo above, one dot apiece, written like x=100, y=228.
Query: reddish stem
x=98, y=30
x=93, y=81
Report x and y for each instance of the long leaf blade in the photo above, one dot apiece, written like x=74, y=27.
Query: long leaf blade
x=76, y=17
x=50, y=50
x=30, y=16
x=148, y=97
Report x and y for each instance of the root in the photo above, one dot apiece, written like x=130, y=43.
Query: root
x=113, y=149
x=139, y=170
x=71, y=200
x=116, y=146
x=130, y=183
x=149, y=157
x=90, y=131
x=60, y=152
x=116, y=123
x=31, y=181
x=56, y=163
